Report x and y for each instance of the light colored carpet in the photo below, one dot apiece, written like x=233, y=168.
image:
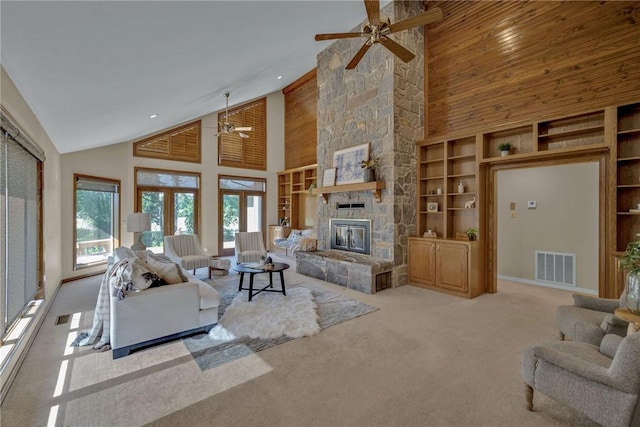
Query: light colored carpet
x=323, y=309
x=423, y=359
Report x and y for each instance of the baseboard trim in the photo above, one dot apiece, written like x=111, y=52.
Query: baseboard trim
x=11, y=375
x=548, y=285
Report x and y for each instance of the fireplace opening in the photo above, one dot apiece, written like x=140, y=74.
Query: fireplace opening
x=352, y=235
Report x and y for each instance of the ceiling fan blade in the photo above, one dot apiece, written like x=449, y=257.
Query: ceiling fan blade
x=333, y=36
x=373, y=11
x=356, y=59
x=397, y=49
x=243, y=128
x=243, y=135
x=431, y=15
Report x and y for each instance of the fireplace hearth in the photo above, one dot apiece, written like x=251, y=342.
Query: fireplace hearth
x=351, y=235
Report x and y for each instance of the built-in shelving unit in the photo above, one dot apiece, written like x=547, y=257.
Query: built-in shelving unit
x=442, y=167
x=628, y=175
x=375, y=186
x=293, y=183
x=443, y=163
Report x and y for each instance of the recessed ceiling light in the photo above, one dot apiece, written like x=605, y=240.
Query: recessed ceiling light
x=279, y=77
x=153, y=116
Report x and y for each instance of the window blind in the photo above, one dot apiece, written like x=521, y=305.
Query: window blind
x=20, y=229
x=248, y=153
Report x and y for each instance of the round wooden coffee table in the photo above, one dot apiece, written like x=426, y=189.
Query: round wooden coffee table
x=248, y=268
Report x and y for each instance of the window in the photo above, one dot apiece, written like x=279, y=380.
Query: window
x=247, y=153
x=97, y=213
x=182, y=143
x=21, y=223
x=171, y=198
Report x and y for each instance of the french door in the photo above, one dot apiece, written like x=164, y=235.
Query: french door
x=242, y=208
x=172, y=211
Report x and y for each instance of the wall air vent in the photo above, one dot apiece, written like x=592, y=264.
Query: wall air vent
x=557, y=268
x=349, y=205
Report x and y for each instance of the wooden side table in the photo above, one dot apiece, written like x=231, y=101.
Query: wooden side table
x=633, y=319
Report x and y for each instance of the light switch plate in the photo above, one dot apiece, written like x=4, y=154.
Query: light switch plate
x=532, y=204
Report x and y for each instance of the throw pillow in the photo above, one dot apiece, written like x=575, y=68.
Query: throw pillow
x=294, y=235
x=140, y=275
x=170, y=272
x=122, y=252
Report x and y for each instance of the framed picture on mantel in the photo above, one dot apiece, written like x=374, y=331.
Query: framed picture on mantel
x=347, y=164
x=329, y=177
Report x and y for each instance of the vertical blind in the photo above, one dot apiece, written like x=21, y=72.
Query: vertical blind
x=19, y=220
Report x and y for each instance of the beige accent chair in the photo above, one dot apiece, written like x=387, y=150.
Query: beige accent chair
x=601, y=382
x=186, y=251
x=249, y=246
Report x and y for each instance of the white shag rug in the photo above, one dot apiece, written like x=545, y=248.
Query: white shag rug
x=269, y=315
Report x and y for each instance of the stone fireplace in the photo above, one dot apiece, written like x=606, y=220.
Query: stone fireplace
x=380, y=102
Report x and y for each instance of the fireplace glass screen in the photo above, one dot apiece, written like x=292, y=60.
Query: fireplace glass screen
x=352, y=235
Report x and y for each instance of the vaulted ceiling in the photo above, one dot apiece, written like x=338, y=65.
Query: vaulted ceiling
x=94, y=72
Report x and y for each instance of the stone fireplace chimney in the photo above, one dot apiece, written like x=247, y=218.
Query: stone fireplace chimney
x=380, y=102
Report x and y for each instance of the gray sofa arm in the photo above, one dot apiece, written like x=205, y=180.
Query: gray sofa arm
x=594, y=303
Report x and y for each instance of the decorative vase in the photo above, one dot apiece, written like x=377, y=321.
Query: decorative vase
x=369, y=174
x=461, y=187
x=632, y=298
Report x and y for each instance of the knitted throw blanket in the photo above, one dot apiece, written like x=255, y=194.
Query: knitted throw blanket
x=102, y=313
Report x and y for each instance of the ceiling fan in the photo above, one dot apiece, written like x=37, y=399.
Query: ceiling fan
x=227, y=127
x=377, y=31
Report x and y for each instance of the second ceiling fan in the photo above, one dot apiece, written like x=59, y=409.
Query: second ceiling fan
x=227, y=127
x=377, y=31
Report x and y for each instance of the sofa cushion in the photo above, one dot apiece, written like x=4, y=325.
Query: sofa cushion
x=170, y=272
x=610, y=344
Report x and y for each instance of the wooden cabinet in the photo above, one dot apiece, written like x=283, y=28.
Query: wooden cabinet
x=450, y=266
x=277, y=232
x=422, y=261
x=294, y=188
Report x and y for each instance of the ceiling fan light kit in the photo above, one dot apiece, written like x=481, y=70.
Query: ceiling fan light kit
x=377, y=31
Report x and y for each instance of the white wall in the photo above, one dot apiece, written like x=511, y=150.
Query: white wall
x=17, y=107
x=565, y=220
x=117, y=162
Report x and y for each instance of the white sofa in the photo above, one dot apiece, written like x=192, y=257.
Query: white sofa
x=161, y=314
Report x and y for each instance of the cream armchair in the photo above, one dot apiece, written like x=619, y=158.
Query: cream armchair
x=249, y=246
x=185, y=250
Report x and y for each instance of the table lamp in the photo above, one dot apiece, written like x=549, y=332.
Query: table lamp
x=137, y=223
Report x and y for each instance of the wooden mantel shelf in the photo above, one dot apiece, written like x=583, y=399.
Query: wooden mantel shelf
x=374, y=186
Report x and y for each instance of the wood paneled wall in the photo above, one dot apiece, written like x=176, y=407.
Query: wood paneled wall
x=300, y=121
x=497, y=63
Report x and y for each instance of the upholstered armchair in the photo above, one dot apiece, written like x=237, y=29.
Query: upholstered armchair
x=249, y=246
x=185, y=250
x=589, y=319
x=601, y=382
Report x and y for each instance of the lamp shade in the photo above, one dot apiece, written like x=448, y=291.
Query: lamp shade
x=137, y=222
